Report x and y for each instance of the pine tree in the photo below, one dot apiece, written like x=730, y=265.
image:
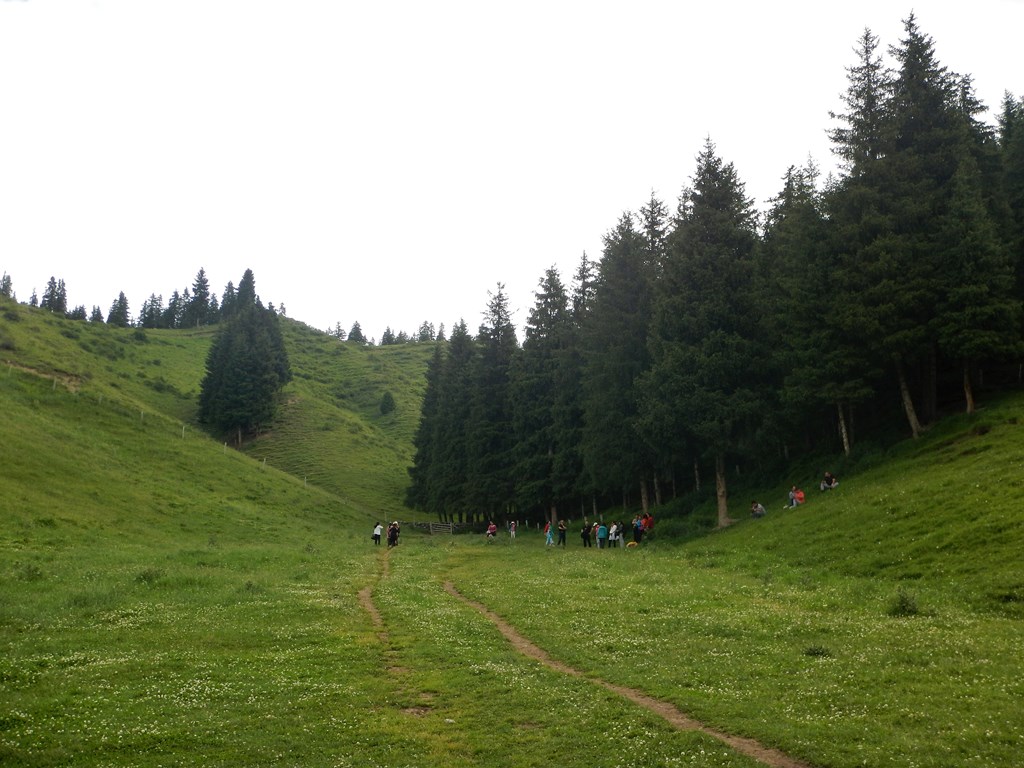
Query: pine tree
x=6, y=287
x=55, y=297
x=814, y=363
x=537, y=396
x=704, y=379
x=615, y=355
x=977, y=317
x=246, y=368
x=356, y=333
x=228, y=301
x=119, y=316
x=448, y=481
x=489, y=436
x=421, y=493
x=152, y=313
x=196, y=311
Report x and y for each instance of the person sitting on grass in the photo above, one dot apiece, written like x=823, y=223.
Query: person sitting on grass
x=829, y=482
x=492, y=530
x=756, y=509
x=796, y=497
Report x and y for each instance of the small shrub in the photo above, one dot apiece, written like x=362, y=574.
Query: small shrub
x=387, y=403
x=905, y=604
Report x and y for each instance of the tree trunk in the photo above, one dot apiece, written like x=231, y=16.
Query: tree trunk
x=644, y=501
x=908, y=401
x=968, y=389
x=843, y=431
x=721, y=492
x=696, y=475
x=930, y=385
x=657, y=491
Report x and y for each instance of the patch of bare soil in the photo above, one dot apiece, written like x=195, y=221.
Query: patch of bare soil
x=676, y=718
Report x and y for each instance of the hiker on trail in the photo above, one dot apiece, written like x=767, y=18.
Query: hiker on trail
x=585, y=533
x=393, y=531
x=562, y=528
x=549, y=540
x=756, y=509
x=829, y=482
x=377, y=531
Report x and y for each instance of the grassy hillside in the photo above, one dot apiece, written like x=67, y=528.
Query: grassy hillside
x=329, y=433
x=167, y=601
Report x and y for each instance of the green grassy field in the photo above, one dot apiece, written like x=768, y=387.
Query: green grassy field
x=166, y=601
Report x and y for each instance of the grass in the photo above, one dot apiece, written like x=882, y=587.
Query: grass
x=164, y=601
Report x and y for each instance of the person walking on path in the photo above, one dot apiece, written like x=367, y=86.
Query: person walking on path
x=377, y=531
x=562, y=528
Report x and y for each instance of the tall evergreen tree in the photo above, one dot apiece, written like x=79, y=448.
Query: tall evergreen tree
x=815, y=364
x=490, y=439
x=704, y=378
x=422, y=490
x=1011, y=151
x=196, y=311
x=448, y=482
x=614, y=343
x=119, y=316
x=246, y=368
x=151, y=315
x=977, y=316
x=55, y=297
x=356, y=333
x=228, y=301
x=537, y=397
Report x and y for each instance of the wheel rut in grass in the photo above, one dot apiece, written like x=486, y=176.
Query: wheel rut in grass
x=669, y=712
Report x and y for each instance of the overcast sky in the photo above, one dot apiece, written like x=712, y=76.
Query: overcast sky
x=392, y=162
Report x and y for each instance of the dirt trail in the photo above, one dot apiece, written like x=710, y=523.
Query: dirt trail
x=749, y=747
x=366, y=600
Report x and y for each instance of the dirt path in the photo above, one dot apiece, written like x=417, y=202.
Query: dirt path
x=366, y=600
x=749, y=747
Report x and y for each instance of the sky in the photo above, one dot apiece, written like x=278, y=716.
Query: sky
x=393, y=162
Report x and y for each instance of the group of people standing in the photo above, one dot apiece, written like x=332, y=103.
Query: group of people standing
x=615, y=535
x=393, y=530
